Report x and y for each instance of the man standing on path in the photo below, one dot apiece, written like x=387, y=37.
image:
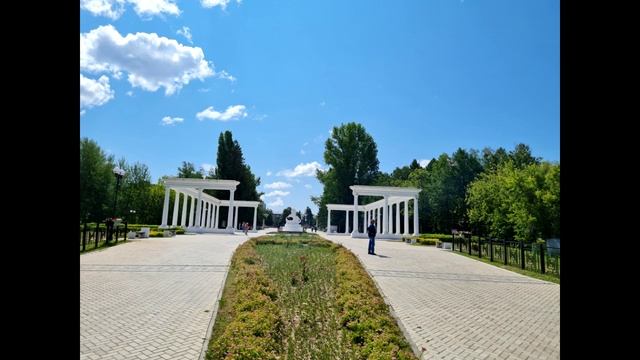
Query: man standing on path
x=371, y=231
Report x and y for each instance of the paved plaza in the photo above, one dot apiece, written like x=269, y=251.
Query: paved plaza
x=454, y=307
x=152, y=298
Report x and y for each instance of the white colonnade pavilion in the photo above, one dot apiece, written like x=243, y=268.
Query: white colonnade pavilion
x=392, y=200
x=206, y=217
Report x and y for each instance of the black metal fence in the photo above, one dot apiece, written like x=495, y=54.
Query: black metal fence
x=101, y=234
x=538, y=257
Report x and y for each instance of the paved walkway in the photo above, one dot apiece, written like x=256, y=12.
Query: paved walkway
x=152, y=298
x=460, y=308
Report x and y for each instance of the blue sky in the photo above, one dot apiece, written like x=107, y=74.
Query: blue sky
x=161, y=79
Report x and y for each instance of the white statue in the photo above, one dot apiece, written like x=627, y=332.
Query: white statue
x=293, y=222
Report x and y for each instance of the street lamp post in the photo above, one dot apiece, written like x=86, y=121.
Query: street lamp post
x=119, y=173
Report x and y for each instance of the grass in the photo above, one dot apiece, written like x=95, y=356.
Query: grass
x=315, y=302
x=533, y=274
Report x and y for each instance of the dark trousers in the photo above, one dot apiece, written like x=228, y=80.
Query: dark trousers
x=372, y=244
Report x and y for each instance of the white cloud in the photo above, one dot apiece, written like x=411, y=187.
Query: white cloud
x=212, y=3
x=277, y=202
x=278, y=185
x=186, y=32
x=225, y=75
x=148, y=8
x=94, y=92
x=308, y=169
x=231, y=113
x=277, y=193
x=307, y=186
x=424, y=162
x=168, y=120
x=151, y=61
x=112, y=9
x=269, y=173
x=130, y=93
x=207, y=167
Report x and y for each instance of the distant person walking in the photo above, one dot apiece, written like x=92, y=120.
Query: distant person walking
x=371, y=231
x=245, y=228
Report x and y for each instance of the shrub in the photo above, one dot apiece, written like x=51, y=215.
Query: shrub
x=364, y=315
x=429, y=242
x=252, y=321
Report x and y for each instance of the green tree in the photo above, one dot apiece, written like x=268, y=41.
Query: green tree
x=283, y=219
x=519, y=203
x=230, y=165
x=352, y=157
x=188, y=170
x=308, y=217
x=96, y=181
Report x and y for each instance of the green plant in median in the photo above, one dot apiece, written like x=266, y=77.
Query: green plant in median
x=321, y=303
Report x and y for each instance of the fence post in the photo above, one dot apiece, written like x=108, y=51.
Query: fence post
x=84, y=236
x=491, y=249
x=542, y=269
x=504, y=244
x=522, y=254
x=126, y=230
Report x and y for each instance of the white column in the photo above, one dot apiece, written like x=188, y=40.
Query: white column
x=230, y=214
x=328, y=221
x=206, y=214
x=346, y=222
x=406, y=217
x=198, y=208
x=355, y=214
x=183, y=219
x=192, y=212
x=176, y=205
x=211, y=214
x=217, y=217
x=415, y=215
x=378, y=226
x=255, y=218
x=385, y=215
x=366, y=220
x=397, y=218
x=165, y=208
x=236, y=220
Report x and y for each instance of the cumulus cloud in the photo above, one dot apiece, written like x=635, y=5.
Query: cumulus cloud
x=113, y=9
x=186, y=32
x=277, y=202
x=94, y=92
x=212, y=3
x=232, y=112
x=225, y=75
x=150, y=61
x=277, y=193
x=148, y=8
x=424, y=162
x=168, y=120
x=308, y=169
x=278, y=185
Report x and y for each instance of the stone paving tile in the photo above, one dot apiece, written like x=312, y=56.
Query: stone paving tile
x=460, y=308
x=147, y=299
